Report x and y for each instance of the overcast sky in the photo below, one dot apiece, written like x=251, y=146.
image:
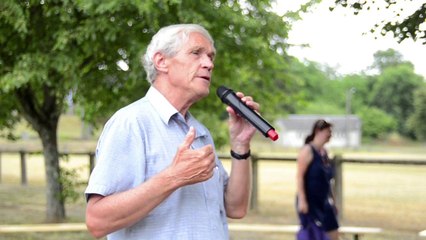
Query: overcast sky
x=337, y=38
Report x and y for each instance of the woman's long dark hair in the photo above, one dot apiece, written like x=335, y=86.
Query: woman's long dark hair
x=318, y=125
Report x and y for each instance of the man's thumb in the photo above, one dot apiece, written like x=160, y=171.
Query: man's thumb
x=189, y=138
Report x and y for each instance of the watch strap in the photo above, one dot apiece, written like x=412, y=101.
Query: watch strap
x=240, y=156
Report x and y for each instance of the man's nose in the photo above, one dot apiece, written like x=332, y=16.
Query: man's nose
x=207, y=62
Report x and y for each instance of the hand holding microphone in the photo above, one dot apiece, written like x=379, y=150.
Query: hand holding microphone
x=229, y=97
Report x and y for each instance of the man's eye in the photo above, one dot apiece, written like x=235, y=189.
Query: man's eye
x=196, y=52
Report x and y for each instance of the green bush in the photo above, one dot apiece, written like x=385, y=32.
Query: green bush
x=376, y=123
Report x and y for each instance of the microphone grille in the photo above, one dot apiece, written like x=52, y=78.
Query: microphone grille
x=221, y=91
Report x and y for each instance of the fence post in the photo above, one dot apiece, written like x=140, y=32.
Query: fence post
x=0, y=167
x=254, y=192
x=23, y=168
x=91, y=162
x=338, y=184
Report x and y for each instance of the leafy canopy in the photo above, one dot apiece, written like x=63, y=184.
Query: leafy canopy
x=52, y=48
x=408, y=24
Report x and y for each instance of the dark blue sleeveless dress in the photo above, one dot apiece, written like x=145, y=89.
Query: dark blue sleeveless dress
x=317, y=189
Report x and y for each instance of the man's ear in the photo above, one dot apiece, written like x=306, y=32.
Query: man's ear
x=160, y=62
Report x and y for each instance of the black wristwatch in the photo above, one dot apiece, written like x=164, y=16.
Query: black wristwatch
x=237, y=156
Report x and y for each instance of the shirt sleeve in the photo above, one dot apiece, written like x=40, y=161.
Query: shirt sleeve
x=120, y=160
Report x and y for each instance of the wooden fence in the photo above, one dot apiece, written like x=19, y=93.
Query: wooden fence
x=337, y=160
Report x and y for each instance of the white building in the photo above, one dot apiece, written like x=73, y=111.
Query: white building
x=294, y=129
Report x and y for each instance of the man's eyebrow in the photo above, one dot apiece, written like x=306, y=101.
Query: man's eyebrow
x=204, y=49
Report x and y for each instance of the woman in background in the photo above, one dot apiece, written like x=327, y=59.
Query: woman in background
x=315, y=199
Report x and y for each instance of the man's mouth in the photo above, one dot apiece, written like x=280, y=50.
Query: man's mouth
x=205, y=77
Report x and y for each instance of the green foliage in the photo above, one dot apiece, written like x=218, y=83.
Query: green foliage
x=376, y=123
x=8, y=119
x=13, y=15
x=361, y=85
x=416, y=122
x=75, y=46
x=393, y=92
x=71, y=183
x=411, y=26
x=322, y=108
x=312, y=78
x=322, y=93
x=387, y=59
x=384, y=101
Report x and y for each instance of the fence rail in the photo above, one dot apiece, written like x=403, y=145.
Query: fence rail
x=23, y=160
x=337, y=160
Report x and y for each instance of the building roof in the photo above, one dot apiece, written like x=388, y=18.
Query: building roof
x=305, y=122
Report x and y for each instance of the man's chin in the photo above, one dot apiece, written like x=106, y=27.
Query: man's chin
x=205, y=94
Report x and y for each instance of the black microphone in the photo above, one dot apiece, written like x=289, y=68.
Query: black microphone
x=230, y=98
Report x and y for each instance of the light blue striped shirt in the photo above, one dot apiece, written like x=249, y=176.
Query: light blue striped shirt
x=141, y=140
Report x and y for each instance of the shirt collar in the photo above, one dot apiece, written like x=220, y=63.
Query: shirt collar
x=161, y=104
x=166, y=110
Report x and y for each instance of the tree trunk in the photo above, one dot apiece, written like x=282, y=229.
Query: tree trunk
x=55, y=209
x=43, y=115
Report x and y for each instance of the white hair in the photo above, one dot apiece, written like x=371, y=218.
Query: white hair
x=169, y=40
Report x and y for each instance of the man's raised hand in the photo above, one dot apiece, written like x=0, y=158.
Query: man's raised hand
x=193, y=165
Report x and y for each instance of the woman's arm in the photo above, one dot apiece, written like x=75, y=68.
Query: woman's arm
x=303, y=161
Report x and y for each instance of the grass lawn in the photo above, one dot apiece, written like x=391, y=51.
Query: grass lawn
x=386, y=196
x=392, y=197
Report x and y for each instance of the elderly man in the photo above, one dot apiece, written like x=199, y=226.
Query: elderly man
x=157, y=174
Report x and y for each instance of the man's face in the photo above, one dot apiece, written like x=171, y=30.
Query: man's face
x=191, y=69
